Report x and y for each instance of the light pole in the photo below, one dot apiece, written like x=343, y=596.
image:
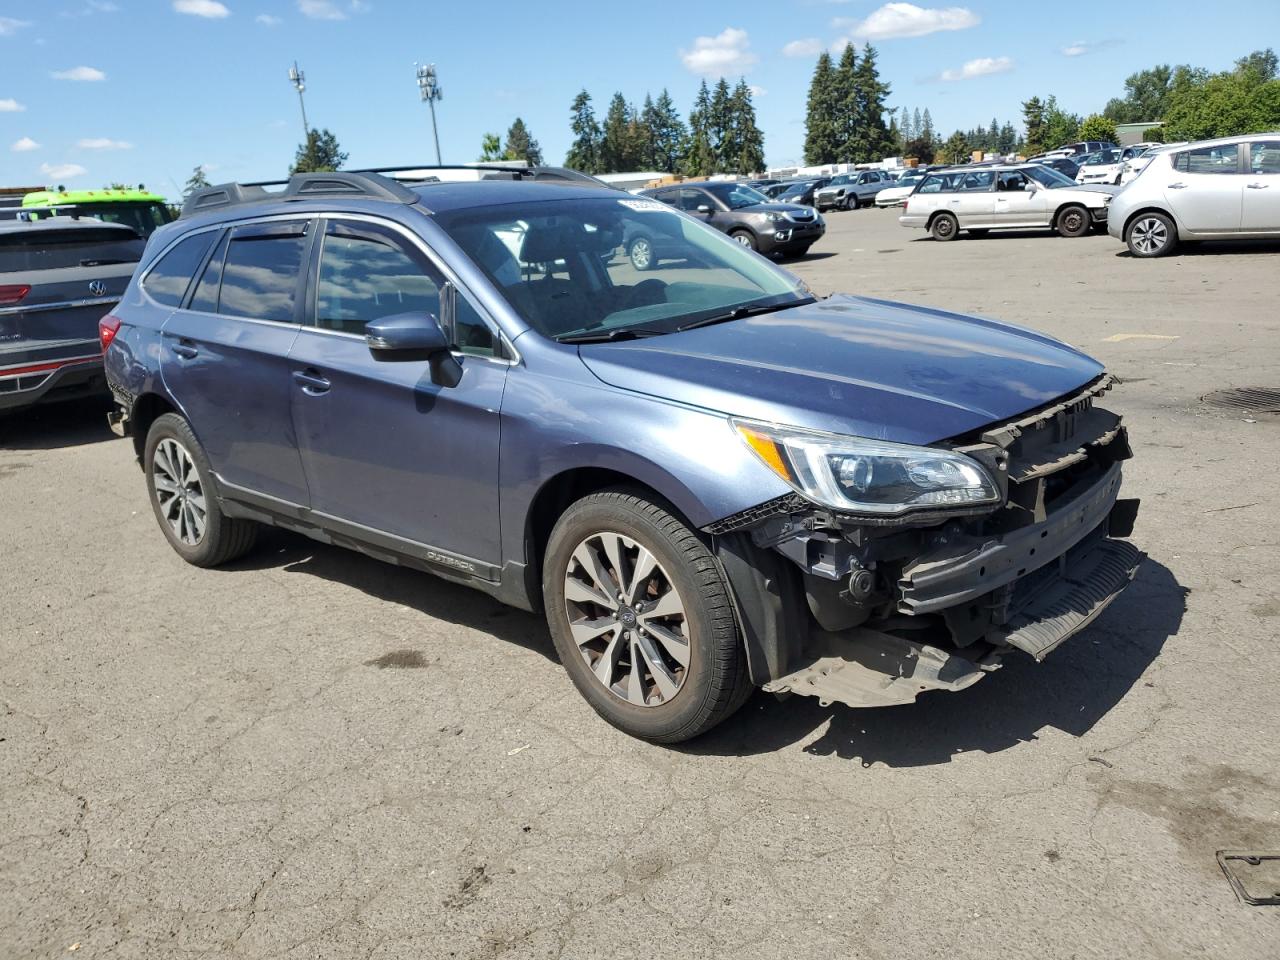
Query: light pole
x=299, y=81
x=429, y=87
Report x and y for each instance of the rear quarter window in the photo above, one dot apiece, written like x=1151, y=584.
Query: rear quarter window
x=56, y=249
x=168, y=280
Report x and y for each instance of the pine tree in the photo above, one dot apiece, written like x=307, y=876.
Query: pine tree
x=319, y=154
x=917, y=126
x=926, y=131
x=647, y=134
x=993, y=136
x=521, y=145
x=614, y=144
x=700, y=158
x=748, y=139
x=874, y=140
x=904, y=125
x=584, y=153
x=849, y=122
x=820, y=132
x=670, y=135
x=197, y=181
x=956, y=149
x=721, y=129
x=1033, y=122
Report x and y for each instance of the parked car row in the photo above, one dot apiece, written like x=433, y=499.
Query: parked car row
x=774, y=228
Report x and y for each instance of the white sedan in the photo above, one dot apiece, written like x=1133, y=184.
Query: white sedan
x=896, y=194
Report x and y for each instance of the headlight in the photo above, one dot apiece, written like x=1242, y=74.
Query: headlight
x=774, y=217
x=868, y=476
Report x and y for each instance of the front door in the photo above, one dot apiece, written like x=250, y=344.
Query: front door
x=384, y=448
x=1017, y=203
x=224, y=356
x=1261, y=210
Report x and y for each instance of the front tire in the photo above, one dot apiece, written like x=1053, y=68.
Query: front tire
x=642, y=619
x=1152, y=235
x=180, y=485
x=945, y=227
x=1073, y=221
x=640, y=254
x=745, y=238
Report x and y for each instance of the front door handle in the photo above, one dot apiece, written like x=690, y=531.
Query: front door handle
x=185, y=349
x=311, y=382
x=1177, y=186
x=1257, y=186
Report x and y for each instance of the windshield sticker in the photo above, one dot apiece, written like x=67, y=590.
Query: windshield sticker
x=643, y=205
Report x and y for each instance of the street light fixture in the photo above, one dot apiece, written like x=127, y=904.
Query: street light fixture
x=429, y=88
x=299, y=81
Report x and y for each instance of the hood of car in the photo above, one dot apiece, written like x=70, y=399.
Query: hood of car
x=1107, y=188
x=852, y=365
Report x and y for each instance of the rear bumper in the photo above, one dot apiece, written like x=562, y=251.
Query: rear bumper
x=45, y=381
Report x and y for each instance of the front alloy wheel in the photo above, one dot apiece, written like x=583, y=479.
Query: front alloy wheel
x=627, y=619
x=641, y=253
x=1152, y=235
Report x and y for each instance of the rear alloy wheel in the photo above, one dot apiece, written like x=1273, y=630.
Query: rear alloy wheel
x=1152, y=235
x=183, y=499
x=745, y=238
x=945, y=227
x=641, y=618
x=641, y=253
x=1073, y=221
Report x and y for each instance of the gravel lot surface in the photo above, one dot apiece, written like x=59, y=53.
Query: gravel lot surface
x=312, y=754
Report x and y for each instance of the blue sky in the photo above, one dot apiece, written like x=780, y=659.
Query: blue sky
x=144, y=90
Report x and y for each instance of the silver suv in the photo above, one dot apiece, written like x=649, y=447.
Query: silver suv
x=852, y=190
x=1211, y=190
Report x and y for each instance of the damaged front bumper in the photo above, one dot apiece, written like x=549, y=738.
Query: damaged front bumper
x=935, y=603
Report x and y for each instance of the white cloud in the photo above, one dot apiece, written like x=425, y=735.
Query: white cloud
x=62, y=171
x=320, y=10
x=721, y=55
x=8, y=25
x=24, y=145
x=981, y=67
x=758, y=91
x=802, y=48
x=1081, y=47
x=267, y=20
x=85, y=74
x=103, y=143
x=907, y=20
x=209, y=9
x=11, y=106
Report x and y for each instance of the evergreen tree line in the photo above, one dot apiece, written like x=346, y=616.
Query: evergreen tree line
x=845, y=114
x=721, y=135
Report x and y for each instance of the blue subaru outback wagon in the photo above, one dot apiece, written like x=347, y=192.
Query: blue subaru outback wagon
x=708, y=478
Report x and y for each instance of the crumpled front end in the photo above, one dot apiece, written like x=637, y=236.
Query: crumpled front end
x=891, y=608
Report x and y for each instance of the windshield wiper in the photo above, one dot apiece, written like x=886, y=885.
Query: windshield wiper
x=746, y=310
x=609, y=336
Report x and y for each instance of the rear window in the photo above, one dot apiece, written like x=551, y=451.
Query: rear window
x=168, y=280
x=54, y=249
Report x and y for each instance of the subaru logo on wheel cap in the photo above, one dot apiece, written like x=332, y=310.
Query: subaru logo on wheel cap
x=97, y=288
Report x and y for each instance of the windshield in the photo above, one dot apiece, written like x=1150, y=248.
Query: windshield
x=736, y=196
x=143, y=216
x=602, y=266
x=796, y=190
x=1048, y=176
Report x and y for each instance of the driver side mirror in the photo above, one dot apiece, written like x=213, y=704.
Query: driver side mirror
x=414, y=336
x=704, y=208
x=1031, y=186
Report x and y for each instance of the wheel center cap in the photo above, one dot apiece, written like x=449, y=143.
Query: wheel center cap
x=627, y=616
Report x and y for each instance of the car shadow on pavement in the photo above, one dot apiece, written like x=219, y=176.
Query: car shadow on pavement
x=430, y=595
x=1071, y=690
x=1213, y=248
x=55, y=425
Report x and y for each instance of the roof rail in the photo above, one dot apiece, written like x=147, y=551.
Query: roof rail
x=497, y=171
x=301, y=186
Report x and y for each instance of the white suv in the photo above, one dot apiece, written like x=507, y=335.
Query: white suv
x=1212, y=190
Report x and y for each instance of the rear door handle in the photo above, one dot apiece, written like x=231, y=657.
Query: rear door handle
x=311, y=382
x=1177, y=186
x=1258, y=186
x=185, y=349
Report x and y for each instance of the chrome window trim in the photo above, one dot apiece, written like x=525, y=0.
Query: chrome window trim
x=60, y=305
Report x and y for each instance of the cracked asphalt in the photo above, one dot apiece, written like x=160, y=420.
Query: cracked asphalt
x=313, y=754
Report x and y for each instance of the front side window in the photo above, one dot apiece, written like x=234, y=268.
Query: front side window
x=261, y=270
x=562, y=266
x=1221, y=159
x=1264, y=156
x=168, y=280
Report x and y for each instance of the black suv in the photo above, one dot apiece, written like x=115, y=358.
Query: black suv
x=744, y=213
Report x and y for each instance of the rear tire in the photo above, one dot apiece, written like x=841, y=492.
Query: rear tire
x=1072, y=221
x=675, y=620
x=183, y=498
x=944, y=227
x=1151, y=235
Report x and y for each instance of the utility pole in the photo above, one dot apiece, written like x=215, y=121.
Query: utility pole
x=429, y=88
x=299, y=81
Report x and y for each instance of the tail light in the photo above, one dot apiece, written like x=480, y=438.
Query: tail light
x=11, y=293
x=108, y=327
x=904, y=205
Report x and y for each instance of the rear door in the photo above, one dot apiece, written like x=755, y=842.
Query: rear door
x=55, y=285
x=1261, y=204
x=976, y=201
x=398, y=458
x=1205, y=190
x=224, y=357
